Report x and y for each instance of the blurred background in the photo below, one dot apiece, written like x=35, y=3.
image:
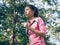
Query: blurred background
x=12, y=16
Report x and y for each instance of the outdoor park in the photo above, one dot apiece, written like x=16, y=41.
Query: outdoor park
x=12, y=16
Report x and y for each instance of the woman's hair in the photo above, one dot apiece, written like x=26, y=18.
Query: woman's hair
x=35, y=9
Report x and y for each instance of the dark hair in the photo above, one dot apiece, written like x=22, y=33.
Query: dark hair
x=35, y=9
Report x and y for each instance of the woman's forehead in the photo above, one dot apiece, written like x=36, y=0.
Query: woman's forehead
x=27, y=7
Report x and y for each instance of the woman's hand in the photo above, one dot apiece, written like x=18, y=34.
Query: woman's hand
x=27, y=44
x=26, y=25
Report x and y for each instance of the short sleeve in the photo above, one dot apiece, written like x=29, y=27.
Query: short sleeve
x=41, y=25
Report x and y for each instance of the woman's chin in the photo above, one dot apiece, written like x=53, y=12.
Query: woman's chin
x=26, y=16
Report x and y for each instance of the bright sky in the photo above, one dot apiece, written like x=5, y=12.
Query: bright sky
x=0, y=1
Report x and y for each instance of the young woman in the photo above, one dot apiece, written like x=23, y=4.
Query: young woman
x=36, y=29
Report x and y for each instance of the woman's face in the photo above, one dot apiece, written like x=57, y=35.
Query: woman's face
x=28, y=12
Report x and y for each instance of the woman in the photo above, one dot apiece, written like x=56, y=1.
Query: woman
x=36, y=29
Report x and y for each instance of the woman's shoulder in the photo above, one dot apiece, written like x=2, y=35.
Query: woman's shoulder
x=38, y=18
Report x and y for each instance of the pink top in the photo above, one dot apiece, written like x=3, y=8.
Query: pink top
x=38, y=24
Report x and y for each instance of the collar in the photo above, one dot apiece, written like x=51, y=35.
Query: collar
x=31, y=23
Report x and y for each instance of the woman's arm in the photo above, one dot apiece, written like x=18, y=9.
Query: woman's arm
x=40, y=33
x=42, y=29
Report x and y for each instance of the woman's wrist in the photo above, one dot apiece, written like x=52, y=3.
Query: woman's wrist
x=30, y=28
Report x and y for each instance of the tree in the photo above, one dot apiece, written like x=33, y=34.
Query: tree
x=12, y=17
x=14, y=34
x=51, y=13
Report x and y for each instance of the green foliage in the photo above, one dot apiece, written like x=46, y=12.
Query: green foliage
x=57, y=29
x=47, y=40
x=42, y=14
x=11, y=23
x=12, y=17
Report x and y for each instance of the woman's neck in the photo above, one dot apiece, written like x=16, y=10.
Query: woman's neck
x=31, y=18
